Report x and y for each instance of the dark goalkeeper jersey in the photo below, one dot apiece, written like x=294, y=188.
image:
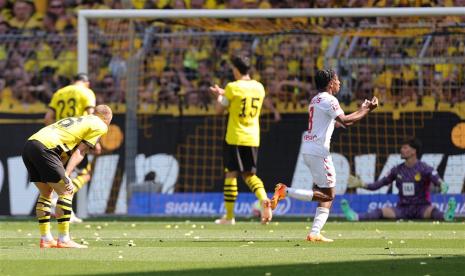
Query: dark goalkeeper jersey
x=413, y=183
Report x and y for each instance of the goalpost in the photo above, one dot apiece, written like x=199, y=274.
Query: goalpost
x=133, y=57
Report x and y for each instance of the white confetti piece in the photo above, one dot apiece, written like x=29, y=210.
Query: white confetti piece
x=120, y=257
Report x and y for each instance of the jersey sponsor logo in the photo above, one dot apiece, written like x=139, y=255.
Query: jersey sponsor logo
x=408, y=189
x=308, y=137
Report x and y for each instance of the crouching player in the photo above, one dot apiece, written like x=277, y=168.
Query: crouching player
x=413, y=178
x=43, y=155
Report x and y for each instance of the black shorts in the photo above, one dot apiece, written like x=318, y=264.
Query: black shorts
x=240, y=158
x=43, y=165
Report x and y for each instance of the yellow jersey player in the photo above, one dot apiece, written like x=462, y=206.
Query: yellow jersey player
x=74, y=100
x=42, y=155
x=243, y=100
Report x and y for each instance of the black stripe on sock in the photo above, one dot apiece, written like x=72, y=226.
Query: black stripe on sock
x=63, y=219
x=64, y=203
x=44, y=220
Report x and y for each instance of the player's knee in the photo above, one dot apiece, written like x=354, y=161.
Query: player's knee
x=330, y=194
x=46, y=193
x=247, y=175
x=330, y=197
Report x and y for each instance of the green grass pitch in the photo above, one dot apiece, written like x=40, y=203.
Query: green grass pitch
x=179, y=247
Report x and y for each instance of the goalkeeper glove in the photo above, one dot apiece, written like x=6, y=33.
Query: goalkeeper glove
x=355, y=182
x=444, y=187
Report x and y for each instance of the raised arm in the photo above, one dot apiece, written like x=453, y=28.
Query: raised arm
x=365, y=108
x=221, y=101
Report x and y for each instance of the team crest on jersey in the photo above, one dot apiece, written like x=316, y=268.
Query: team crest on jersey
x=399, y=176
x=417, y=177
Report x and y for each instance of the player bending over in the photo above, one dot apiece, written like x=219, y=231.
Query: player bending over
x=74, y=100
x=43, y=155
x=413, y=178
x=324, y=113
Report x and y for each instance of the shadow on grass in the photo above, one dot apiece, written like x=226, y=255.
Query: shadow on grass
x=397, y=265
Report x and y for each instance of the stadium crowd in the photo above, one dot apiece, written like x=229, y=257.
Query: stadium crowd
x=38, y=55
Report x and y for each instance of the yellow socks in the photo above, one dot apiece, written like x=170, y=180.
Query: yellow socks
x=256, y=186
x=43, y=216
x=65, y=204
x=230, y=196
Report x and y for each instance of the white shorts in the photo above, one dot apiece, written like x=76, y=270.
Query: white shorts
x=322, y=170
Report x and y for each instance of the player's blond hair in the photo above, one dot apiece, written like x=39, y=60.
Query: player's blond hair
x=104, y=112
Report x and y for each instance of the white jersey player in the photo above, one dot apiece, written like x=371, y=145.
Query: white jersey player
x=324, y=114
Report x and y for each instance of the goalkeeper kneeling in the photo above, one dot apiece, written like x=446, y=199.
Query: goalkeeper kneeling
x=413, y=178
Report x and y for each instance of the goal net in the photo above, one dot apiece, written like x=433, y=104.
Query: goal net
x=163, y=155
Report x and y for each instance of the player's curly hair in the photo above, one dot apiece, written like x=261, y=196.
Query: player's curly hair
x=323, y=77
x=241, y=63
